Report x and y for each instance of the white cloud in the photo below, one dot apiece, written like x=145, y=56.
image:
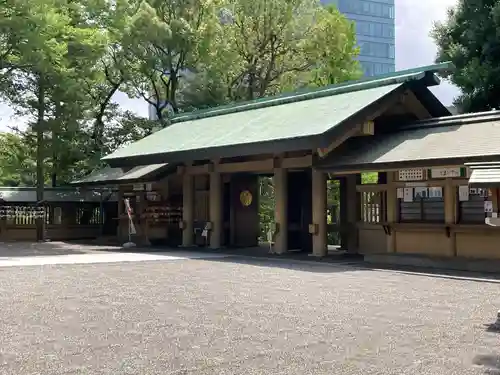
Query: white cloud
x=414, y=47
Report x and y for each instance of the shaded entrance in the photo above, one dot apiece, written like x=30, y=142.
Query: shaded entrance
x=299, y=211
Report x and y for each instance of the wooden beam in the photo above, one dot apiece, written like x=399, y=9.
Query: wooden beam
x=414, y=105
x=194, y=169
x=246, y=166
x=338, y=141
x=297, y=162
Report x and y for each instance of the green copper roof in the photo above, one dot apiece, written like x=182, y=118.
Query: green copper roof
x=442, y=141
x=294, y=116
x=108, y=175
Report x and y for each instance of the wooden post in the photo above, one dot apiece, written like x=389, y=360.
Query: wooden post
x=215, y=210
x=450, y=209
x=392, y=211
x=353, y=211
x=319, y=203
x=188, y=210
x=121, y=212
x=281, y=211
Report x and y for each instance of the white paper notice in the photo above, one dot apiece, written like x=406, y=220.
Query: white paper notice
x=463, y=193
x=408, y=195
x=488, y=206
x=401, y=193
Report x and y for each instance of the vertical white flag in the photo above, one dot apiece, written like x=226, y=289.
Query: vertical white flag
x=131, y=226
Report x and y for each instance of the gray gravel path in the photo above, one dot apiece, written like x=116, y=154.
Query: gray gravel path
x=230, y=316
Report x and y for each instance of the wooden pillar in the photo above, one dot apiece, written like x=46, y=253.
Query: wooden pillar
x=319, y=217
x=281, y=212
x=121, y=211
x=391, y=211
x=143, y=220
x=450, y=201
x=343, y=213
x=188, y=210
x=215, y=210
x=353, y=211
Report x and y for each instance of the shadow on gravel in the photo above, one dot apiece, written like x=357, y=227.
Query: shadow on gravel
x=490, y=362
x=289, y=264
x=492, y=328
x=295, y=260
x=30, y=249
x=433, y=272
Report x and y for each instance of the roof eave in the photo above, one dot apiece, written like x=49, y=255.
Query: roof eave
x=268, y=147
x=149, y=177
x=394, y=165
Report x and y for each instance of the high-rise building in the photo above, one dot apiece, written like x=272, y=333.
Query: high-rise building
x=375, y=32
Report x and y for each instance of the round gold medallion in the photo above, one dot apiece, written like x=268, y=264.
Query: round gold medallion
x=246, y=198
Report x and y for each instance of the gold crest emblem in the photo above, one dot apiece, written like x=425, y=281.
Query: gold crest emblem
x=246, y=198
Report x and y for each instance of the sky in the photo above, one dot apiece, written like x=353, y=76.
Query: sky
x=414, y=47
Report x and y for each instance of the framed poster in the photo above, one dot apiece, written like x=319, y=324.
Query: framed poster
x=408, y=195
x=400, y=193
x=435, y=192
x=463, y=193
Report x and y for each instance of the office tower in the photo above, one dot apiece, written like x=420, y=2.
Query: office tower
x=375, y=32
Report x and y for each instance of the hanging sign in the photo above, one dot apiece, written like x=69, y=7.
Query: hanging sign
x=447, y=172
x=138, y=187
x=414, y=174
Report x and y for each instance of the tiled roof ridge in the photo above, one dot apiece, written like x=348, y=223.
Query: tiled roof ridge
x=349, y=86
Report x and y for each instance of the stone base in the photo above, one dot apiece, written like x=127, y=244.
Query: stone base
x=317, y=255
x=128, y=245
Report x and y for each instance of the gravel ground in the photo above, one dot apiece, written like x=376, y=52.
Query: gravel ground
x=237, y=316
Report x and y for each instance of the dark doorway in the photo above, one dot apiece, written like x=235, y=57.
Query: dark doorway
x=244, y=212
x=299, y=210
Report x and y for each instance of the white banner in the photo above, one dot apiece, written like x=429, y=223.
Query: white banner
x=131, y=226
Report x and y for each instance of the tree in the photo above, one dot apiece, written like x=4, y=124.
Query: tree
x=469, y=39
x=166, y=40
x=18, y=161
x=41, y=82
x=271, y=46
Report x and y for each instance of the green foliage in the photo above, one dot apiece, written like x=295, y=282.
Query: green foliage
x=18, y=162
x=166, y=40
x=469, y=38
x=369, y=178
x=272, y=46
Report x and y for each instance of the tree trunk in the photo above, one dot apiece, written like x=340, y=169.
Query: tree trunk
x=39, y=156
x=55, y=144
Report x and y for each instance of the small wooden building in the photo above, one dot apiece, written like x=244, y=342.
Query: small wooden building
x=67, y=213
x=211, y=161
x=439, y=191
